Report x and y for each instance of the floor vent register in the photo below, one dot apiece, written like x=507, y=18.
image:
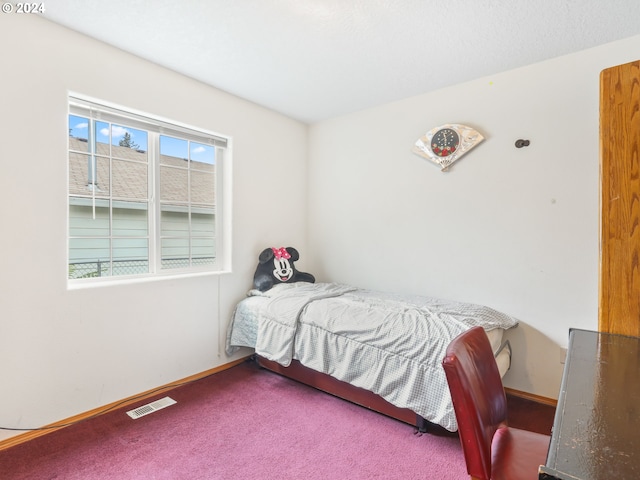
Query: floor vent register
x=151, y=407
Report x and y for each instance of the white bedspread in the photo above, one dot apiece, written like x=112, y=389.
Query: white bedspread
x=390, y=344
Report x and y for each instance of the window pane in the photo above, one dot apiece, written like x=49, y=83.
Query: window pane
x=203, y=188
x=203, y=223
x=174, y=221
x=87, y=178
x=130, y=256
x=102, y=136
x=130, y=179
x=175, y=252
x=79, y=168
x=101, y=187
x=81, y=219
x=78, y=133
x=130, y=219
x=128, y=142
x=202, y=156
x=203, y=251
x=174, y=184
x=173, y=151
x=88, y=257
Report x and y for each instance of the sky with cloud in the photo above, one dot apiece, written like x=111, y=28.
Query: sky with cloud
x=175, y=147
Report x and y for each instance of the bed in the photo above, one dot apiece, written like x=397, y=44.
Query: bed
x=380, y=350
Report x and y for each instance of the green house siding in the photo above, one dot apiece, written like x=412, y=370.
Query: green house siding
x=93, y=243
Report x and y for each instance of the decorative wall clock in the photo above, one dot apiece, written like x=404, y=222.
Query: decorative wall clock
x=447, y=143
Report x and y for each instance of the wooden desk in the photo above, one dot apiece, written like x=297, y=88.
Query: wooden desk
x=596, y=430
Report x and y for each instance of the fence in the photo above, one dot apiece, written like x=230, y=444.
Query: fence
x=106, y=268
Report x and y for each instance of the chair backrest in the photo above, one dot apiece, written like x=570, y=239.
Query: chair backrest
x=478, y=397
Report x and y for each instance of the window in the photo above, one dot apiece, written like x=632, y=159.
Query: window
x=144, y=194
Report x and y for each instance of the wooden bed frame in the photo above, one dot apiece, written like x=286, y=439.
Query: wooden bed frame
x=346, y=391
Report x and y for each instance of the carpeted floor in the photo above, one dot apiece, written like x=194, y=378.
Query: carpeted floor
x=243, y=423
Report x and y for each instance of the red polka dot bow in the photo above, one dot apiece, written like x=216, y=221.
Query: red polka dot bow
x=281, y=253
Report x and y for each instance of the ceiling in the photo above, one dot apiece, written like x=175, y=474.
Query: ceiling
x=316, y=59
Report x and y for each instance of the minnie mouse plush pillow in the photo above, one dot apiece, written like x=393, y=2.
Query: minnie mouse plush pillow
x=275, y=265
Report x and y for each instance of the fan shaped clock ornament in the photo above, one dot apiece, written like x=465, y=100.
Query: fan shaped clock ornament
x=447, y=143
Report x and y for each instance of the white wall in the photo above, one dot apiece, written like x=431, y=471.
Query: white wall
x=64, y=352
x=515, y=229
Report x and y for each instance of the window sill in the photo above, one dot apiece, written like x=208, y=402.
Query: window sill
x=116, y=281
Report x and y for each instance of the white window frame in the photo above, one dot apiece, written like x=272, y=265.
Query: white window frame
x=96, y=110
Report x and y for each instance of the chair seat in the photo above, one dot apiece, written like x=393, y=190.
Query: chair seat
x=516, y=454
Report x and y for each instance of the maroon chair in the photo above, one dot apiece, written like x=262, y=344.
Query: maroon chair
x=492, y=449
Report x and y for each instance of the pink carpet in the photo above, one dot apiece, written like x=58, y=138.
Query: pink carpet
x=243, y=423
